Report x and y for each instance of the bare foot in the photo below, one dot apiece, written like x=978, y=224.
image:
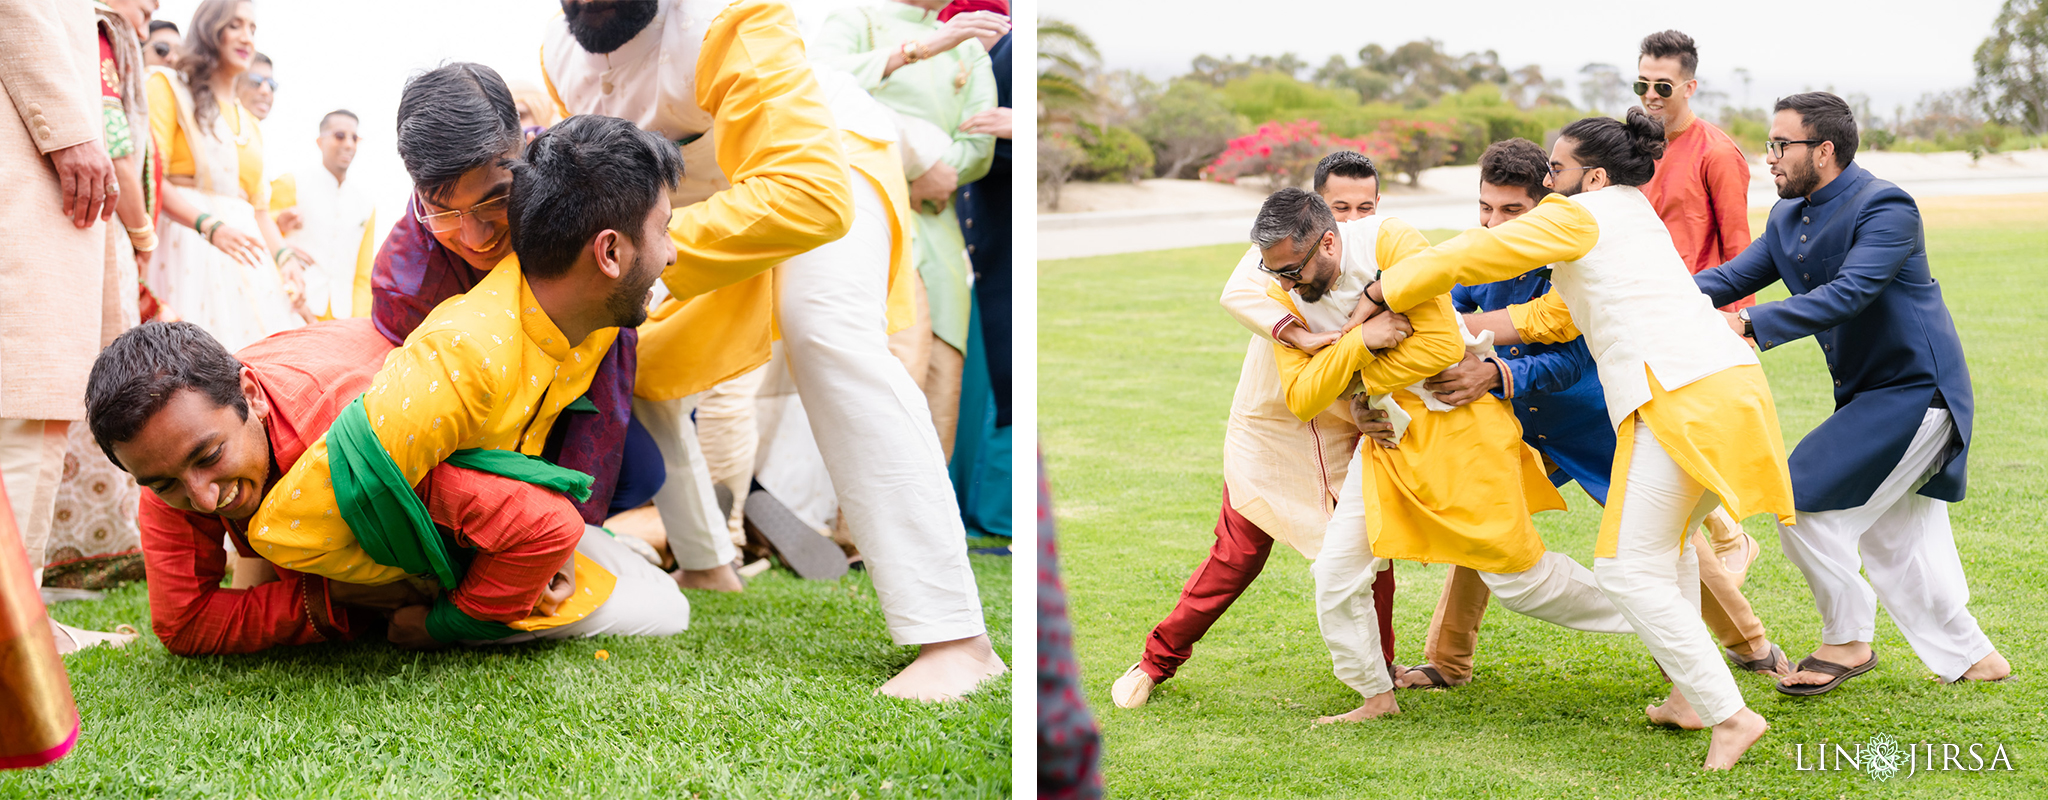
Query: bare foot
x=1733, y=737
x=1676, y=712
x=1989, y=668
x=717, y=579
x=1378, y=705
x=946, y=670
x=1848, y=655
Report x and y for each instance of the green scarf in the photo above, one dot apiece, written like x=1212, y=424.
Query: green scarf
x=391, y=522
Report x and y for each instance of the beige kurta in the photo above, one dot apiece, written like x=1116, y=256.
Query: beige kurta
x=1282, y=474
x=52, y=273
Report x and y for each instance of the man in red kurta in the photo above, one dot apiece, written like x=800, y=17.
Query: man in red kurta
x=293, y=385
x=1701, y=189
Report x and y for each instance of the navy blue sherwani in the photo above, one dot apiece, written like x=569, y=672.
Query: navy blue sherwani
x=1557, y=389
x=1854, y=257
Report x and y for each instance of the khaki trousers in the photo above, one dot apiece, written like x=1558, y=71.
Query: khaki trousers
x=31, y=465
x=1454, y=628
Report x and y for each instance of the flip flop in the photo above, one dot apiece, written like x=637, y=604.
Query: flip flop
x=1767, y=663
x=1841, y=673
x=797, y=544
x=1435, y=676
x=81, y=639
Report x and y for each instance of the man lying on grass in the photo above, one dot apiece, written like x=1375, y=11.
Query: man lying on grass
x=209, y=434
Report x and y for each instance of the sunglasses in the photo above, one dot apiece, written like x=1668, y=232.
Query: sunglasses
x=1664, y=88
x=259, y=81
x=163, y=49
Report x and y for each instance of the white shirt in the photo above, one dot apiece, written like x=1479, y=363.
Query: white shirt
x=335, y=215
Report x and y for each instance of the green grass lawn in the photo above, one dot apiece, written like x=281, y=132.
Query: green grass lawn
x=768, y=695
x=1137, y=366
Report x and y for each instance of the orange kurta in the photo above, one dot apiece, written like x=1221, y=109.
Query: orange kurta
x=1701, y=191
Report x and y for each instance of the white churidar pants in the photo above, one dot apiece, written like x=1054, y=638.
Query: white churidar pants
x=697, y=533
x=1903, y=539
x=873, y=429
x=644, y=601
x=1557, y=589
x=1656, y=586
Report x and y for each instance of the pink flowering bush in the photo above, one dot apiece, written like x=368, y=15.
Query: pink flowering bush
x=1284, y=153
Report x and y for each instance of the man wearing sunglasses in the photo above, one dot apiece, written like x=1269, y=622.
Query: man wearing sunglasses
x=331, y=220
x=1702, y=185
x=1873, y=481
x=1280, y=473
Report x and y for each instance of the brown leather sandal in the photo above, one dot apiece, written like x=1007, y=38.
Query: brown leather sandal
x=1767, y=663
x=1841, y=673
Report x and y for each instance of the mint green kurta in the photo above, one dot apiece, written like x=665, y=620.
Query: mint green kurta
x=944, y=90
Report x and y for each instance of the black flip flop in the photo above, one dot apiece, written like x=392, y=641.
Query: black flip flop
x=1841, y=673
x=799, y=546
x=1436, y=678
x=1768, y=663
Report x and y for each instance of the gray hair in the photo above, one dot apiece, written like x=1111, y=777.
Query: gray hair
x=1294, y=215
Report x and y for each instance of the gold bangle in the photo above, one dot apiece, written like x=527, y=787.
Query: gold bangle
x=142, y=239
x=913, y=51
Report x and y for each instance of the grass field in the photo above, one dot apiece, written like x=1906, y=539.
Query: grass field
x=768, y=695
x=1137, y=366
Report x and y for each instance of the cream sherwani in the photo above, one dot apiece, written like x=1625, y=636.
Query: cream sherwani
x=1282, y=474
x=729, y=83
x=52, y=274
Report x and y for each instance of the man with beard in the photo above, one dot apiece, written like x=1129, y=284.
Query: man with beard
x=1451, y=484
x=457, y=127
x=1701, y=190
x=208, y=432
x=485, y=377
x=1555, y=392
x=1695, y=425
x=1280, y=473
x=1874, y=480
x=769, y=187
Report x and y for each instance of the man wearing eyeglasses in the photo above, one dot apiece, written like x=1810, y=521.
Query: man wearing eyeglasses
x=1281, y=474
x=1872, y=482
x=1702, y=185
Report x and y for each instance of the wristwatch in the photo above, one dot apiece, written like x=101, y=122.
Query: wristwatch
x=1748, y=328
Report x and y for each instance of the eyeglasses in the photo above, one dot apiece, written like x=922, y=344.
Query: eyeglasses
x=488, y=212
x=1776, y=147
x=1557, y=170
x=260, y=81
x=345, y=136
x=1664, y=88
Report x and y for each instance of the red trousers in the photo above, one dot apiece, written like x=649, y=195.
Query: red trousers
x=1234, y=561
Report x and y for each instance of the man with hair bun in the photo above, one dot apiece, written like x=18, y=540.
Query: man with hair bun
x=1556, y=394
x=1873, y=481
x=1701, y=189
x=1694, y=421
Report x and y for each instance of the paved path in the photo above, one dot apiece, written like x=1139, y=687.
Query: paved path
x=1439, y=204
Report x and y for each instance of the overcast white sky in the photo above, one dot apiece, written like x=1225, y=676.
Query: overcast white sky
x=357, y=55
x=1892, y=51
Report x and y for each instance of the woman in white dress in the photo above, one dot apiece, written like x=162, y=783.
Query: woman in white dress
x=209, y=269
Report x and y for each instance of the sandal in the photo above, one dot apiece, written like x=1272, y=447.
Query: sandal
x=1768, y=662
x=1435, y=676
x=1841, y=673
x=82, y=639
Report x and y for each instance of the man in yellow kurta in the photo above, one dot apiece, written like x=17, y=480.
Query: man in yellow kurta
x=494, y=368
x=1695, y=424
x=1457, y=486
x=775, y=175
